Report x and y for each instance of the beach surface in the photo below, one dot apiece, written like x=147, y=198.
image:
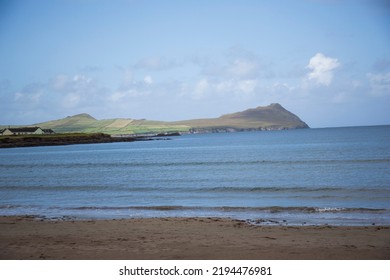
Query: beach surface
x=185, y=238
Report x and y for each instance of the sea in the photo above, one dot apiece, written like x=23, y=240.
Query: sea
x=327, y=176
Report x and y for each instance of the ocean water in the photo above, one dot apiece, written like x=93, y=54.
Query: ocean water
x=336, y=176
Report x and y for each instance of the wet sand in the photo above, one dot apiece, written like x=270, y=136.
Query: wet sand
x=186, y=238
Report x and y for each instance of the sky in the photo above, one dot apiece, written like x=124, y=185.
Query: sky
x=328, y=61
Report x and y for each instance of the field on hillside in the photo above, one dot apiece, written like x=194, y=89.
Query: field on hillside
x=87, y=124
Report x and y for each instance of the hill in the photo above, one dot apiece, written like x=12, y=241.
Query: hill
x=87, y=124
x=272, y=117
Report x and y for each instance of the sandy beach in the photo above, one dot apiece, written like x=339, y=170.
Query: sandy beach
x=185, y=238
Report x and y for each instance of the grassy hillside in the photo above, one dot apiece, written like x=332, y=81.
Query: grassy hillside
x=88, y=124
x=270, y=117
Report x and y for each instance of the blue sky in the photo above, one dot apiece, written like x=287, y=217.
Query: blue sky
x=328, y=61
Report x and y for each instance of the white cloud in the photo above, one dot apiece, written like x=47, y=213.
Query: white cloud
x=340, y=97
x=224, y=86
x=281, y=87
x=30, y=95
x=238, y=64
x=18, y=96
x=322, y=69
x=127, y=77
x=71, y=100
x=380, y=83
x=239, y=72
x=126, y=94
x=243, y=68
x=81, y=79
x=247, y=86
x=156, y=64
x=65, y=84
x=116, y=96
x=59, y=82
x=237, y=86
x=130, y=89
x=148, y=80
x=201, y=87
x=60, y=95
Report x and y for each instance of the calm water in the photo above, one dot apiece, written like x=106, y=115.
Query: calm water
x=313, y=176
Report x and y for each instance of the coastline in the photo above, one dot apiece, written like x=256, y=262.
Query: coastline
x=73, y=139
x=26, y=237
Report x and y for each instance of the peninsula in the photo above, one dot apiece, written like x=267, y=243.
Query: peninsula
x=272, y=117
x=85, y=129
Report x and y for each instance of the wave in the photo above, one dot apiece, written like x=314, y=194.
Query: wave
x=295, y=189
x=324, y=191
x=191, y=163
x=271, y=209
x=7, y=206
x=267, y=209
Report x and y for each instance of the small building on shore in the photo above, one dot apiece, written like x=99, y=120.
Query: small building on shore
x=48, y=131
x=9, y=131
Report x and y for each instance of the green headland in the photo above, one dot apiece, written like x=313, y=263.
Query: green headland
x=272, y=117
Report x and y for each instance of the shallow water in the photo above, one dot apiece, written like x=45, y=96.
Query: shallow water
x=337, y=176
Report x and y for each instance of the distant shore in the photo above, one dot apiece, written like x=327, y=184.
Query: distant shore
x=186, y=238
x=71, y=139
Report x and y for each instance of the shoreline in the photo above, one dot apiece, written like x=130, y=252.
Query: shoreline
x=26, y=237
x=259, y=216
x=65, y=139
x=257, y=220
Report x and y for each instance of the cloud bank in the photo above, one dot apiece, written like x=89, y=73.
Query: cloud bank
x=203, y=87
